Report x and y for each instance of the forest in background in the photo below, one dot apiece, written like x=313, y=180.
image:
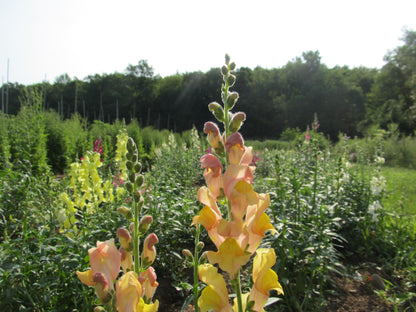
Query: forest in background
x=345, y=100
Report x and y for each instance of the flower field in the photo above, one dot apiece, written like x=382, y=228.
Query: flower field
x=151, y=220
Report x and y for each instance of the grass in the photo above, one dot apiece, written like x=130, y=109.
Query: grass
x=400, y=190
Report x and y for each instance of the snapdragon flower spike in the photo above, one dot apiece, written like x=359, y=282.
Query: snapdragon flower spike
x=238, y=238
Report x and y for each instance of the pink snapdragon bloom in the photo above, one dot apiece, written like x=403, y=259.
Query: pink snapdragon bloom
x=149, y=250
x=307, y=137
x=212, y=173
x=105, y=261
x=213, y=135
x=149, y=284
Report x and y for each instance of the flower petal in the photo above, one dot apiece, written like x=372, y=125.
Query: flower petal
x=105, y=259
x=215, y=294
x=230, y=256
x=128, y=292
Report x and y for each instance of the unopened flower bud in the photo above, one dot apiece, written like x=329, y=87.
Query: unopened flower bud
x=232, y=66
x=227, y=59
x=131, y=147
x=224, y=70
x=132, y=177
x=217, y=111
x=204, y=258
x=137, y=196
x=99, y=309
x=139, y=180
x=188, y=255
x=230, y=80
x=140, y=203
x=137, y=167
x=145, y=222
x=131, y=228
x=199, y=247
x=129, y=187
x=125, y=239
x=126, y=212
x=232, y=99
x=237, y=121
x=129, y=165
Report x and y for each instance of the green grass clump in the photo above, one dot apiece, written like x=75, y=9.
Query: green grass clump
x=400, y=190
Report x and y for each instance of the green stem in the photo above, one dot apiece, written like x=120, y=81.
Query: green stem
x=196, y=277
x=136, y=240
x=237, y=288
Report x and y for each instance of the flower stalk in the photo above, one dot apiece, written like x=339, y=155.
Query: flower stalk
x=238, y=236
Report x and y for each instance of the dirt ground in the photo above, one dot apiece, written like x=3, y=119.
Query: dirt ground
x=355, y=294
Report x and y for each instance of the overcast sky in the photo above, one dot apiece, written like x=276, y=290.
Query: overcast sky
x=47, y=38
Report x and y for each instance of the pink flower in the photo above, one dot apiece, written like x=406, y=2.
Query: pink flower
x=307, y=137
x=213, y=173
x=149, y=250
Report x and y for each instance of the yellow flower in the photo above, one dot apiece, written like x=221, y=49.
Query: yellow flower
x=258, y=222
x=264, y=278
x=128, y=292
x=215, y=295
x=144, y=307
x=230, y=256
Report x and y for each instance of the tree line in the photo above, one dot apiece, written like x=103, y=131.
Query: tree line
x=345, y=100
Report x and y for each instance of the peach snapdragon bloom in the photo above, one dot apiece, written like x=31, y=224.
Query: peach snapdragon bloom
x=105, y=261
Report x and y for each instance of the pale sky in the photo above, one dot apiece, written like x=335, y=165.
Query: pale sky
x=47, y=38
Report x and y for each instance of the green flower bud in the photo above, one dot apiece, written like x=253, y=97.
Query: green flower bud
x=227, y=59
x=230, y=80
x=131, y=146
x=129, y=187
x=139, y=180
x=232, y=66
x=216, y=110
x=237, y=121
x=140, y=203
x=137, y=195
x=132, y=177
x=232, y=99
x=188, y=255
x=199, y=247
x=126, y=212
x=204, y=258
x=224, y=70
x=99, y=309
x=137, y=167
x=129, y=165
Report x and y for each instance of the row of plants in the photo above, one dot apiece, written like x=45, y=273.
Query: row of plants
x=325, y=206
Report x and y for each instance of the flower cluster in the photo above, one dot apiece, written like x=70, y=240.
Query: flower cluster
x=134, y=290
x=237, y=236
